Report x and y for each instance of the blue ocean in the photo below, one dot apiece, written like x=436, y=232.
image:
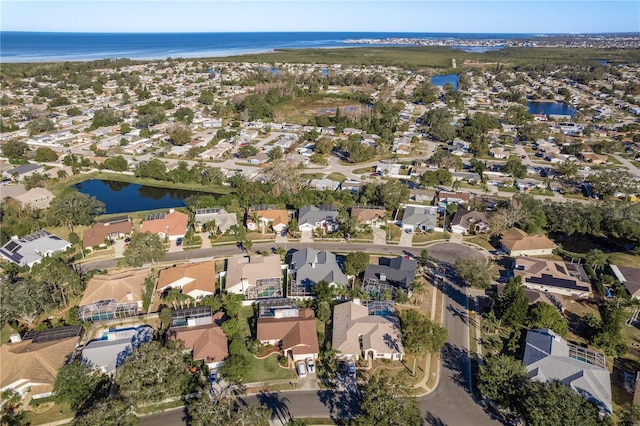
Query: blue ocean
x=48, y=47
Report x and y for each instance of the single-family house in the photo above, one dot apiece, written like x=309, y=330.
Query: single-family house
x=196, y=280
x=593, y=158
x=629, y=277
x=357, y=334
x=374, y=216
x=351, y=185
x=423, y=218
x=264, y=216
x=117, y=227
x=324, y=217
x=453, y=197
x=398, y=272
x=31, y=362
x=464, y=220
x=422, y=195
x=205, y=340
x=254, y=276
x=115, y=294
x=547, y=356
x=516, y=242
x=30, y=249
x=109, y=353
x=37, y=198
x=216, y=219
x=172, y=225
x=22, y=171
x=553, y=276
x=296, y=336
x=308, y=267
x=324, y=184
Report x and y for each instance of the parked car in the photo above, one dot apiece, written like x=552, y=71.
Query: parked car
x=351, y=369
x=301, y=369
x=311, y=366
x=127, y=240
x=179, y=242
x=213, y=377
x=342, y=367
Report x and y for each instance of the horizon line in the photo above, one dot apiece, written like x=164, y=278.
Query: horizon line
x=311, y=32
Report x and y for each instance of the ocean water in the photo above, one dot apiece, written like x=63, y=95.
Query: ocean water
x=48, y=47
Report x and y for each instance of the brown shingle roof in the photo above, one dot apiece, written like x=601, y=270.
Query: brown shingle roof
x=35, y=362
x=208, y=342
x=276, y=217
x=297, y=334
x=190, y=277
x=365, y=215
x=96, y=235
x=517, y=240
x=116, y=285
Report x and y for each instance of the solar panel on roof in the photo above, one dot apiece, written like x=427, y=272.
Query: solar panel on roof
x=58, y=333
x=14, y=257
x=155, y=216
x=11, y=246
x=208, y=211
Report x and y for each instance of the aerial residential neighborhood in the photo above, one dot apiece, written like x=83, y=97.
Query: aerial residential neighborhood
x=179, y=233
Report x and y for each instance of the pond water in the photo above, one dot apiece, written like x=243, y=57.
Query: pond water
x=548, y=108
x=122, y=197
x=441, y=80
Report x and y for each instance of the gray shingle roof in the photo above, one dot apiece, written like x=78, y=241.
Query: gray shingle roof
x=313, y=266
x=423, y=216
x=111, y=353
x=313, y=214
x=398, y=271
x=546, y=357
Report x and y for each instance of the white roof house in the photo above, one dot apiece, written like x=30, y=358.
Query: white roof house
x=30, y=249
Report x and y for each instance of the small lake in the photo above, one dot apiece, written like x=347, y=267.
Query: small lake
x=441, y=80
x=548, y=108
x=122, y=197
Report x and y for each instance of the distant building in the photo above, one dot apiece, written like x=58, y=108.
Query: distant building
x=117, y=294
x=629, y=277
x=464, y=219
x=117, y=227
x=423, y=218
x=172, y=225
x=308, y=267
x=196, y=280
x=324, y=217
x=22, y=171
x=390, y=274
x=223, y=220
x=256, y=276
x=373, y=216
x=206, y=341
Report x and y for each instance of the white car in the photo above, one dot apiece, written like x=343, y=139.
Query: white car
x=311, y=366
x=301, y=370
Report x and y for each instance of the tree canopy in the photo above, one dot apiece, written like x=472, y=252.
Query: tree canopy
x=76, y=383
x=75, y=208
x=501, y=379
x=475, y=272
x=144, y=247
x=387, y=401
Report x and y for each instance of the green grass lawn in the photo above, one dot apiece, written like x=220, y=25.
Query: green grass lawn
x=337, y=176
x=624, y=259
x=479, y=241
x=394, y=231
x=363, y=170
x=425, y=237
x=55, y=413
x=312, y=175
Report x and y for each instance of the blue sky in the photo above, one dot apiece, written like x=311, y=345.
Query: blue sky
x=474, y=16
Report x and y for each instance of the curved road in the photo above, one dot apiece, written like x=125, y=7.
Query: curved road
x=449, y=404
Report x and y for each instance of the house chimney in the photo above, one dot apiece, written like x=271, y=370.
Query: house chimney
x=383, y=277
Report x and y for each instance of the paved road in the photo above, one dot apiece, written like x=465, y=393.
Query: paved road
x=444, y=252
x=451, y=403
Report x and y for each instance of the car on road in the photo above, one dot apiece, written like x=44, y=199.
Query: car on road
x=311, y=366
x=301, y=369
x=524, y=157
x=351, y=369
x=179, y=242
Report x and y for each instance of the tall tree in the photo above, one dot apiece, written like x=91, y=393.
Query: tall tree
x=553, y=403
x=543, y=315
x=512, y=304
x=475, y=272
x=501, y=379
x=114, y=411
x=387, y=401
x=75, y=208
x=76, y=383
x=144, y=247
x=421, y=335
x=356, y=262
x=153, y=372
